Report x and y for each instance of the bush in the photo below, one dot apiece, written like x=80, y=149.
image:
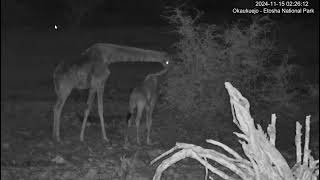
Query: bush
x=245, y=53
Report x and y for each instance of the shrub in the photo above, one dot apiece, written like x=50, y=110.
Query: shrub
x=245, y=53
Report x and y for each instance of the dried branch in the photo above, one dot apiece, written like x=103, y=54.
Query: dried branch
x=306, y=151
x=226, y=148
x=265, y=161
x=298, y=142
x=182, y=154
x=272, y=130
x=308, y=169
x=164, y=154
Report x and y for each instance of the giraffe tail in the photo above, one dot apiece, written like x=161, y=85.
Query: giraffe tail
x=56, y=75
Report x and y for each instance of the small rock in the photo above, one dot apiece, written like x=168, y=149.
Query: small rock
x=58, y=159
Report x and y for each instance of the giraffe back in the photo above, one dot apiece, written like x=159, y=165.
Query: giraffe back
x=79, y=73
x=109, y=53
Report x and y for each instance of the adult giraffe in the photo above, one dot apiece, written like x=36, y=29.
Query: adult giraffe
x=90, y=71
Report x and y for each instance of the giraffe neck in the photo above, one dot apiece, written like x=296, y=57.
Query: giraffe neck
x=111, y=53
x=157, y=74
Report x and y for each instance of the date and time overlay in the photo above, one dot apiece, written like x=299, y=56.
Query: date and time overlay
x=277, y=7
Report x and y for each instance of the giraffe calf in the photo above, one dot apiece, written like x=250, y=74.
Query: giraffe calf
x=144, y=98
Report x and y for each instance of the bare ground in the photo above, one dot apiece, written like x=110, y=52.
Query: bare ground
x=28, y=151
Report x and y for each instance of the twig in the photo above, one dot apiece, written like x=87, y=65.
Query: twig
x=298, y=142
x=206, y=169
x=164, y=154
x=272, y=130
x=306, y=151
x=182, y=155
x=226, y=148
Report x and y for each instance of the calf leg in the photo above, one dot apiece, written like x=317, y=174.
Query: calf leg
x=132, y=106
x=140, y=108
x=149, y=123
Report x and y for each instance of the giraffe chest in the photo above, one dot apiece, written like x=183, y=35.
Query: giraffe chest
x=89, y=76
x=82, y=80
x=82, y=77
x=150, y=89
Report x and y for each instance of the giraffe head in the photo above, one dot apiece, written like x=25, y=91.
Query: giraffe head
x=166, y=60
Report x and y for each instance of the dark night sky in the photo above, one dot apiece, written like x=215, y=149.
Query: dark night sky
x=28, y=12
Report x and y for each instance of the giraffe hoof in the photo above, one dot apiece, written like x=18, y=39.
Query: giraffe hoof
x=56, y=138
x=81, y=138
x=106, y=139
x=126, y=145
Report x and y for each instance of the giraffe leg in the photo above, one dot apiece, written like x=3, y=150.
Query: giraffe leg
x=149, y=123
x=140, y=108
x=132, y=106
x=87, y=111
x=62, y=97
x=100, y=111
x=149, y=119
